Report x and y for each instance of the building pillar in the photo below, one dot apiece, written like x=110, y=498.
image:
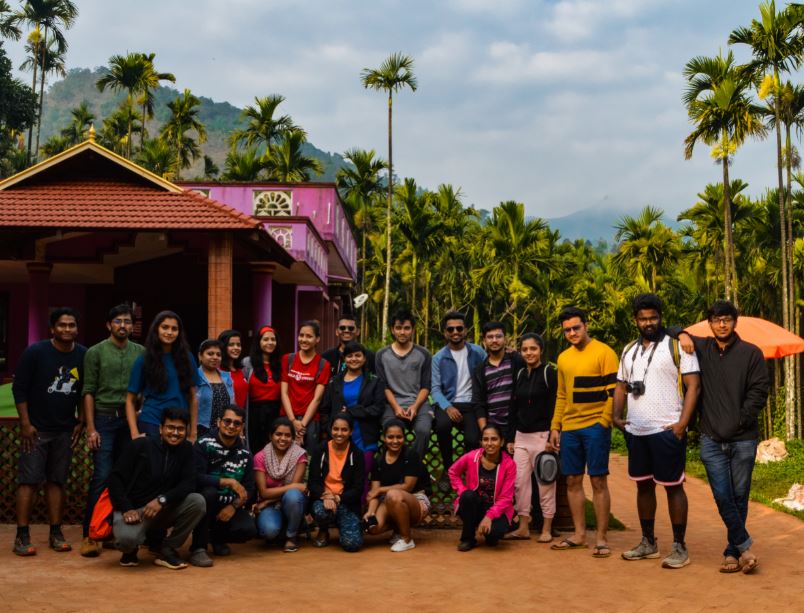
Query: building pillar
x=219, y=283
x=39, y=277
x=262, y=284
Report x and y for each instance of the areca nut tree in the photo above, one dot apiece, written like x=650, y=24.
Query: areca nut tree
x=8, y=22
x=646, y=247
x=263, y=126
x=176, y=130
x=82, y=118
x=151, y=79
x=285, y=161
x=395, y=73
x=719, y=105
x=126, y=73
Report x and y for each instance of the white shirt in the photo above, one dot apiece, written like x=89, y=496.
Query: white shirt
x=661, y=404
x=463, y=385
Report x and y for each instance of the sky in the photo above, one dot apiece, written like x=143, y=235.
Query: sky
x=563, y=105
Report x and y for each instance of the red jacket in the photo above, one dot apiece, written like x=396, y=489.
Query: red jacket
x=467, y=468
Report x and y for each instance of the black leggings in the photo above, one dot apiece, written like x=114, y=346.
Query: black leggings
x=472, y=511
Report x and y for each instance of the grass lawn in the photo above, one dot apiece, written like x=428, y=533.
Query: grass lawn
x=7, y=408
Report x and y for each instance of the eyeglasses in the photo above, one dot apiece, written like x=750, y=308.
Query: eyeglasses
x=122, y=322
x=346, y=328
x=574, y=328
x=176, y=429
x=228, y=421
x=454, y=328
x=728, y=319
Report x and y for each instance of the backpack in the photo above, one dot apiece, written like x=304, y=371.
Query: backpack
x=675, y=352
x=547, y=366
x=100, y=525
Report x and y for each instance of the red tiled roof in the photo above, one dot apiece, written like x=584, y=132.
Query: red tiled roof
x=112, y=203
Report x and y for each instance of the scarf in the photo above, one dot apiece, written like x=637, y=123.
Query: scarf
x=282, y=470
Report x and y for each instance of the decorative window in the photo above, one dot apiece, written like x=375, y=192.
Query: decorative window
x=283, y=236
x=273, y=203
x=201, y=192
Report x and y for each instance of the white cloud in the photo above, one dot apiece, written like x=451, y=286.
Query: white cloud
x=576, y=20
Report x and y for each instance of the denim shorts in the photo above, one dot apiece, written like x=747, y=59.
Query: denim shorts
x=586, y=448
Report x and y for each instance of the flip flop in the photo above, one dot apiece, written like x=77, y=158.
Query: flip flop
x=749, y=565
x=566, y=544
x=597, y=552
x=727, y=561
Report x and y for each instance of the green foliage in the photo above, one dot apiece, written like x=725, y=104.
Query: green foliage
x=17, y=112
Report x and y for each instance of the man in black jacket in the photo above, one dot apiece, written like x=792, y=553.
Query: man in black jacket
x=151, y=489
x=734, y=381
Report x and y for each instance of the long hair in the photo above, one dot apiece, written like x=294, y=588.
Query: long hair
x=226, y=362
x=154, y=369
x=274, y=362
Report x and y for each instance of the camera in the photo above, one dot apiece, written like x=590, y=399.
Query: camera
x=635, y=388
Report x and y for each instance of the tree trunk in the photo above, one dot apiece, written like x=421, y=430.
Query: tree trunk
x=386, y=295
x=363, y=330
x=33, y=88
x=414, y=264
x=427, y=310
x=42, y=74
x=476, y=324
x=130, y=116
x=795, y=373
x=144, y=110
x=727, y=278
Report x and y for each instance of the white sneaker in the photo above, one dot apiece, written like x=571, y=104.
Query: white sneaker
x=394, y=538
x=402, y=545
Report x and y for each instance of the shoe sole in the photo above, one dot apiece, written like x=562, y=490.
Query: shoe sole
x=166, y=564
x=129, y=564
x=25, y=554
x=650, y=556
x=90, y=554
x=401, y=550
x=682, y=565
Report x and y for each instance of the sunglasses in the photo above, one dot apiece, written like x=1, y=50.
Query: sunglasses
x=575, y=328
x=228, y=421
x=346, y=328
x=122, y=322
x=454, y=328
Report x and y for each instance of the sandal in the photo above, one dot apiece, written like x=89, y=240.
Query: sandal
x=730, y=565
x=321, y=539
x=748, y=565
x=601, y=551
x=566, y=544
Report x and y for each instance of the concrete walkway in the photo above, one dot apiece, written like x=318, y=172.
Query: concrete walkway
x=516, y=576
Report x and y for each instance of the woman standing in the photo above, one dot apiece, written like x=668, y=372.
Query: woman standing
x=336, y=484
x=279, y=473
x=215, y=388
x=361, y=394
x=304, y=377
x=165, y=376
x=400, y=489
x=264, y=395
x=532, y=407
x=483, y=480
x=232, y=362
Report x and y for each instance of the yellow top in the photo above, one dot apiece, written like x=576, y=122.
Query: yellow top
x=586, y=381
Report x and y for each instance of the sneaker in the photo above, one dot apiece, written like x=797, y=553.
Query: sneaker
x=57, y=542
x=643, y=551
x=200, y=557
x=221, y=549
x=90, y=548
x=394, y=538
x=402, y=545
x=678, y=558
x=23, y=547
x=130, y=559
x=467, y=545
x=170, y=559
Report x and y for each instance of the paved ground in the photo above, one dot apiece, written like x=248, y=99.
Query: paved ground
x=434, y=576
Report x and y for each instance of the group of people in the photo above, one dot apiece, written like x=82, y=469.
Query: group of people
x=231, y=447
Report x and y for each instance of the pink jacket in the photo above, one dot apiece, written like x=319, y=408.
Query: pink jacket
x=467, y=468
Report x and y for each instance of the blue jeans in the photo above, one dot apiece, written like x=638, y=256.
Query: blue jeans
x=728, y=468
x=350, y=530
x=289, y=513
x=114, y=435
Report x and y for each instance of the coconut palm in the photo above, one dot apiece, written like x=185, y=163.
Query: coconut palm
x=395, y=73
x=718, y=104
x=285, y=161
x=211, y=169
x=176, y=131
x=263, y=127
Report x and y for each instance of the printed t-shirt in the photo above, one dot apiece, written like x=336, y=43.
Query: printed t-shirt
x=486, y=484
x=302, y=381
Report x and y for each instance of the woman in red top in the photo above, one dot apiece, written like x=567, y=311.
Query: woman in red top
x=304, y=377
x=232, y=362
x=263, y=386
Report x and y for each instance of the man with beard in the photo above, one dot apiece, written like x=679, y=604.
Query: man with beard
x=661, y=385
x=346, y=332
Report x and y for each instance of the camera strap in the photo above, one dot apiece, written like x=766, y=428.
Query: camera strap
x=637, y=347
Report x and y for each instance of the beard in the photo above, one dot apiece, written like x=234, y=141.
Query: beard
x=654, y=335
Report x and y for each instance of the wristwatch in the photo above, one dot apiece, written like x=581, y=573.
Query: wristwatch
x=161, y=500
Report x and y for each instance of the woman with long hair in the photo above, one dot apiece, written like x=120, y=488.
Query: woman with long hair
x=483, y=480
x=232, y=362
x=165, y=376
x=279, y=472
x=264, y=395
x=215, y=388
x=400, y=489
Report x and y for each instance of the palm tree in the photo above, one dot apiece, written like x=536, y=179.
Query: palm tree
x=8, y=22
x=647, y=247
x=286, y=162
x=263, y=127
x=82, y=118
x=243, y=165
x=211, y=169
x=392, y=75
x=117, y=129
x=184, y=119
x=156, y=155
x=724, y=117
x=150, y=80
x=126, y=73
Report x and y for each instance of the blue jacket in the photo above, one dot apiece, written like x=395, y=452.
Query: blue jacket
x=204, y=395
x=445, y=373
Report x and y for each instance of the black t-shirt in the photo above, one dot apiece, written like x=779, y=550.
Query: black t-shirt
x=486, y=485
x=407, y=464
x=50, y=382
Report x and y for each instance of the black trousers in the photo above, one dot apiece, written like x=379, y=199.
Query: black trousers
x=260, y=417
x=239, y=529
x=443, y=428
x=471, y=511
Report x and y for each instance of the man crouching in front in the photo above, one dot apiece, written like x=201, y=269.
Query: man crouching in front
x=151, y=489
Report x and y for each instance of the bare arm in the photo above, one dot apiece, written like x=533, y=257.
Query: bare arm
x=312, y=408
x=283, y=391
x=131, y=414
x=193, y=433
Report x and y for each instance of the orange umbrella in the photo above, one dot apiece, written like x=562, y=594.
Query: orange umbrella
x=775, y=341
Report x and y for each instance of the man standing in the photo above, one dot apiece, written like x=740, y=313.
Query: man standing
x=581, y=426
x=493, y=381
x=226, y=481
x=107, y=368
x=404, y=369
x=661, y=384
x=734, y=390
x=453, y=366
x=47, y=392
x=347, y=331
x=151, y=489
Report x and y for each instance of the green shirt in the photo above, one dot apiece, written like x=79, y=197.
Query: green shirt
x=107, y=368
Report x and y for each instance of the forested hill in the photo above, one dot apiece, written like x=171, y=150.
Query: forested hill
x=220, y=118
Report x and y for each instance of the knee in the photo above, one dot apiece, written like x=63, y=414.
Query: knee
x=196, y=503
x=351, y=543
x=468, y=497
x=319, y=511
x=293, y=496
x=600, y=484
x=394, y=497
x=647, y=486
x=267, y=526
x=574, y=482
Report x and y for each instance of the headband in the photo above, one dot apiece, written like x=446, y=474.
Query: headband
x=265, y=329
